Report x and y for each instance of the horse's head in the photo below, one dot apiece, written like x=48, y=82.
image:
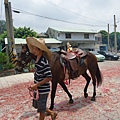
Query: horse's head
x=23, y=59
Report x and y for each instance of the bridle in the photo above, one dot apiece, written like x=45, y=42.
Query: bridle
x=27, y=57
x=23, y=59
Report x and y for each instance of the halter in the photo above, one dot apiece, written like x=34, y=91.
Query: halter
x=23, y=62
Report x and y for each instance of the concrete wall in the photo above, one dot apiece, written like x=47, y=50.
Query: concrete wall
x=76, y=37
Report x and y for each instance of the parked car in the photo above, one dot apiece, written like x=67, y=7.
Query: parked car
x=100, y=58
x=109, y=55
x=54, y=49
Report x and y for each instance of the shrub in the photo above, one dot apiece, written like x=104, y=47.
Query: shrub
x=3, y=58
x=4, y=64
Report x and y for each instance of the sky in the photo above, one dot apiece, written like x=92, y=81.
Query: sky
x=65, y=14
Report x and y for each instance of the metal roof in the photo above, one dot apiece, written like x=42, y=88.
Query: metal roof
x=23, y=41
x=52, y=40
x=73, y=30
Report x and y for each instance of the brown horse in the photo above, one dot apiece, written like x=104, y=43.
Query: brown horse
x=89, y=62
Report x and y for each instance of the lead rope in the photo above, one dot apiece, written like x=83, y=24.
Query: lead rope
x=65, y=72
x=66, y=75
x=31, y=92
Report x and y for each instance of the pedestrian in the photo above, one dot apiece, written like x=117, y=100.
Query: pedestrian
x=42, y=74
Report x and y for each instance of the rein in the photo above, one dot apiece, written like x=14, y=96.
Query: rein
x=33, y=93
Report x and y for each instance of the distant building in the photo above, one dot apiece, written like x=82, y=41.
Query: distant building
x=54, y=38
x=99, y=45
x=78, y=38
x=98, y=38
x=50, y=42
x=42, y=35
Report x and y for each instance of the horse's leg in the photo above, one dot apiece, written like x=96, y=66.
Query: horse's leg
x=66, y=90
x=94, y=85
x=94, y=92
x=87, y=77
x=54, y=87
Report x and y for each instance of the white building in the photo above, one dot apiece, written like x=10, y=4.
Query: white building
x=59, y=37
x=50, y=42
x=78, y=38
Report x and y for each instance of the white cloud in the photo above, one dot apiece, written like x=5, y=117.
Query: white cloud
x=93, y=12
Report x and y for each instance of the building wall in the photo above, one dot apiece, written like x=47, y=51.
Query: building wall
x=53, y=45
x=19, y=47
x=87, y=46
x=52, y=33
x=76, y=37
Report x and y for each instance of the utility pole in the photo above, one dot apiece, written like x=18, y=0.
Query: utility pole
x=10, y=34
x=115, y=39
x=108, y=39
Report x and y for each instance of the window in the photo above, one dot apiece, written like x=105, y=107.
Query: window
x=68, y=35
x=58, y=34
x=86, y=36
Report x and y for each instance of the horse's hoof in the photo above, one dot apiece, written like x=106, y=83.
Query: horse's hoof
x=71, y=101
x=93, y=99
x=85, y=95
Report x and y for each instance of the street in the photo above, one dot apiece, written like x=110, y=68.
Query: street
x=15, y=101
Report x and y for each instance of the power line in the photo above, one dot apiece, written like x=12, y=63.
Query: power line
x=73, y=12
x=29, y=13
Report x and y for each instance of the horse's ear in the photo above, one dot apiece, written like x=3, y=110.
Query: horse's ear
x=26, y=47
x=22, y=46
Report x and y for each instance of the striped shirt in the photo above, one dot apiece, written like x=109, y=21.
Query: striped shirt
x=42, y=71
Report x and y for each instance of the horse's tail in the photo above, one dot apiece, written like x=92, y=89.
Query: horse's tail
x=99, y=76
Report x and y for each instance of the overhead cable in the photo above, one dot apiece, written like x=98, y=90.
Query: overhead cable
x=74, y=12
x=29, y=13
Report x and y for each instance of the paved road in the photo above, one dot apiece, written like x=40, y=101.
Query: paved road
x=15, y=102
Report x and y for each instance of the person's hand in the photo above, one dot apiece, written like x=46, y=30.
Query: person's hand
x=34, y=87
x=31, y=90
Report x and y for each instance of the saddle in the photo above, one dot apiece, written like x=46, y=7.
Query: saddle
x=71, y=61
x=73, y=54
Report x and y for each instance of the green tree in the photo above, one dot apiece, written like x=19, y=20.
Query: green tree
x=2, y=36
x=3, y=33
x=104, y=36
x=112, y=39
x=118, y=40
x=18, y=33
x=24, y=32
x=2, y=26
